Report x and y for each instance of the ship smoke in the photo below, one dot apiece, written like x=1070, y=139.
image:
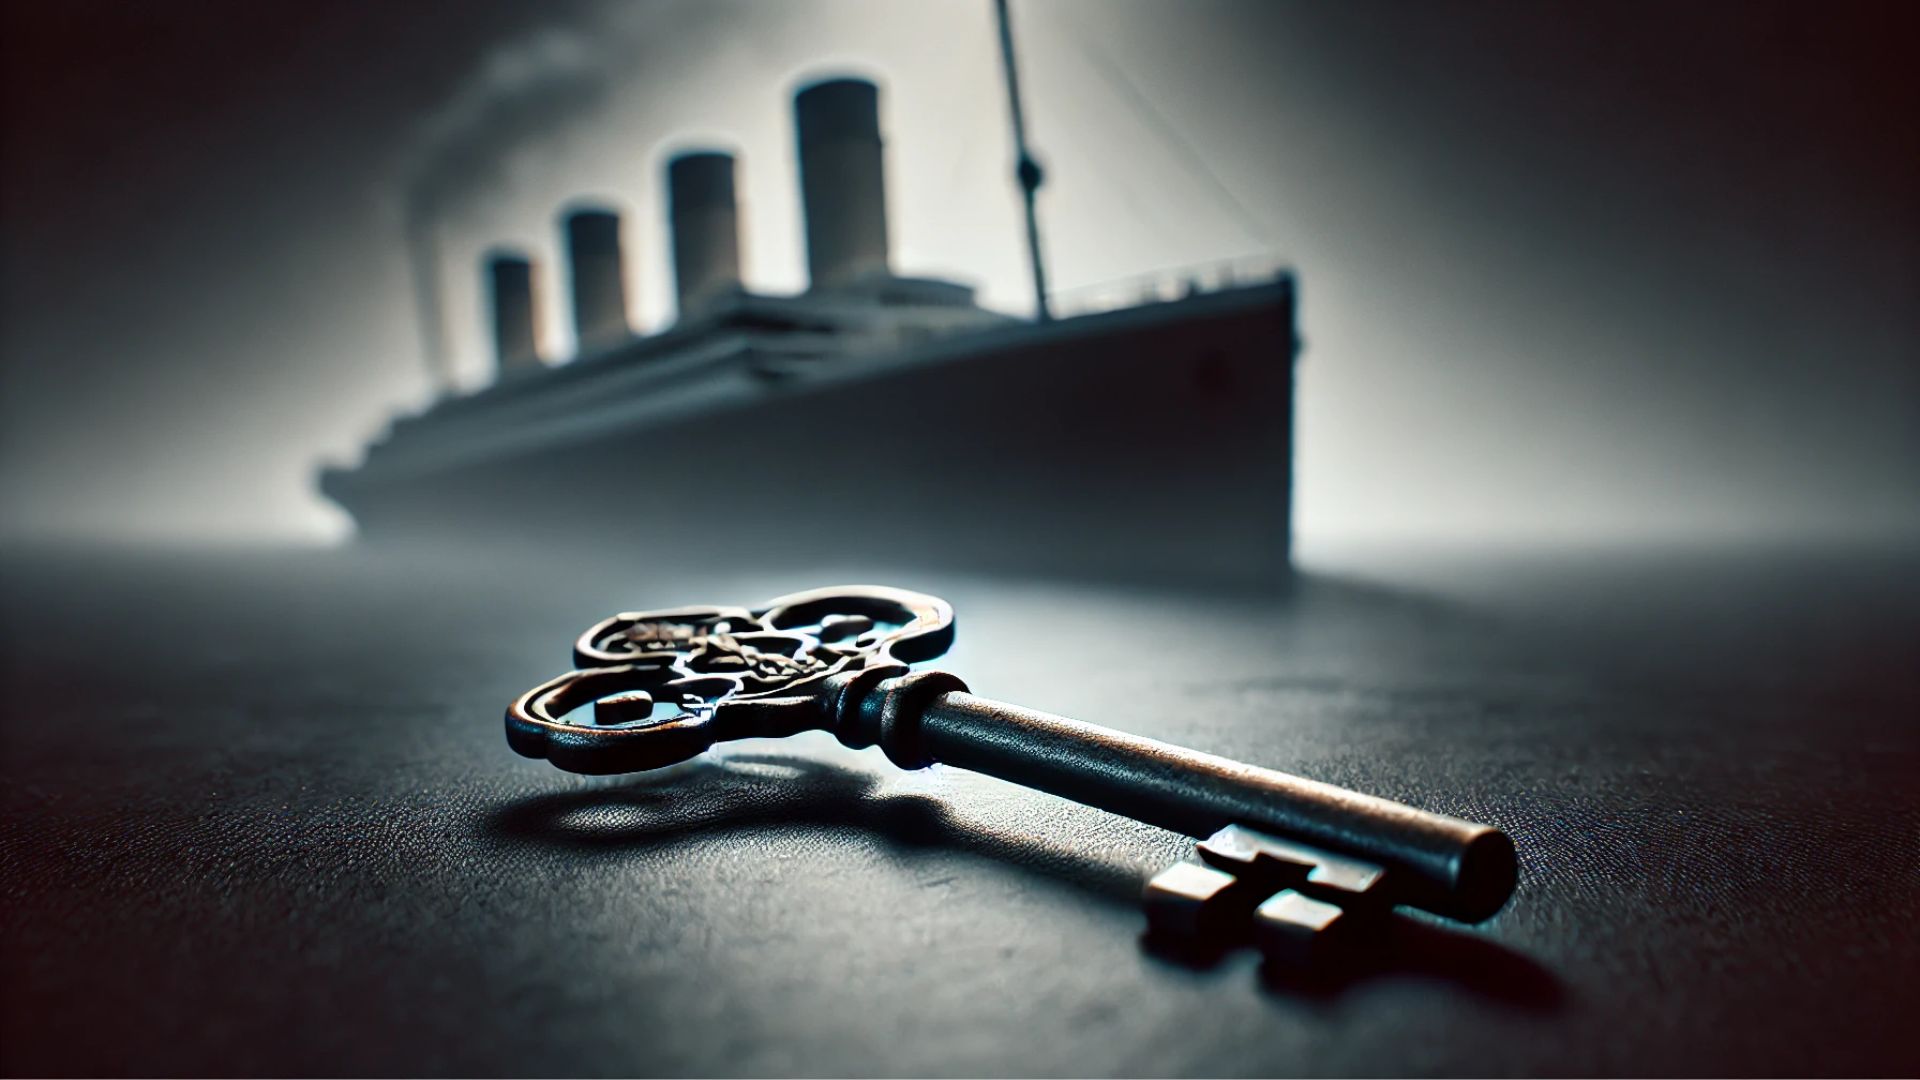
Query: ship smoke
x=517, y=95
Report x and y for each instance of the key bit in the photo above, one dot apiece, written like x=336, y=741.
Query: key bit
x=1283, y=863
x=1306, y=858
x=1298, y=903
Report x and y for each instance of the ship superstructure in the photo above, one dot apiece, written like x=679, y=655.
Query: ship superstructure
x=872, y=416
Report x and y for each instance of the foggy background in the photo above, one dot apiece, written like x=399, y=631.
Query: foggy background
x=1615, y=271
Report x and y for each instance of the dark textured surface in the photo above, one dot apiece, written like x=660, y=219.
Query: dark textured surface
x=260, y=818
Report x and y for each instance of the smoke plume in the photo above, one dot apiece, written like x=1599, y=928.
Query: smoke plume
x=521, y=94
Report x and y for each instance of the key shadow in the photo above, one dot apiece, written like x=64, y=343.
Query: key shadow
x=749, y=792
x=1405, y=948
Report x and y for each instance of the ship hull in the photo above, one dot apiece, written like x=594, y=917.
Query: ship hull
x=1153, y=442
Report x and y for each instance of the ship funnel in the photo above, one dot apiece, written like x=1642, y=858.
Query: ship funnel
x=841, y=181
x=515, y=343
x=706, y=228
x=599, y=278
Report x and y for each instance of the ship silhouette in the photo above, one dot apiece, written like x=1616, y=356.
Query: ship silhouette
x=873, y=419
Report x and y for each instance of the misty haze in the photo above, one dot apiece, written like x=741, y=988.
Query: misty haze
x=959, y=537
x=1537, y=299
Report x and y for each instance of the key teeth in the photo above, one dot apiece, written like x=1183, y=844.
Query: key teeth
x=1260, y=856
x=1194, y=902
x=1301, y=907
x=1295, y=930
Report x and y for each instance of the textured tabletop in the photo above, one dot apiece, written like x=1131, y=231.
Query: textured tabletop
x=259, y=817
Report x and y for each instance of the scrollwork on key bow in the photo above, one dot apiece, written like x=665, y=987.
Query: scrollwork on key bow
x=724, y=672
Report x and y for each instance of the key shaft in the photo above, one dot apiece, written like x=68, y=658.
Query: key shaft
x=1442, y=864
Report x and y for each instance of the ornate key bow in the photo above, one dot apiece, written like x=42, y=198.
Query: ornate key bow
x=725, y=672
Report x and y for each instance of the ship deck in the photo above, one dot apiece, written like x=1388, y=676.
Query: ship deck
x=1063, y=448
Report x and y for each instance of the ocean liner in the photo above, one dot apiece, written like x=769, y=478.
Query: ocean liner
x=872, y=419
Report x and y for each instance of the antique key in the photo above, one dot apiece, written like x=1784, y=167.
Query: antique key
x=1293, y=860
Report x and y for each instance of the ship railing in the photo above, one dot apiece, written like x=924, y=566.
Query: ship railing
x=1166, y=285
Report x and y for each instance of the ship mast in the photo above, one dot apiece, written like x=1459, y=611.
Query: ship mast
x=1027, y=170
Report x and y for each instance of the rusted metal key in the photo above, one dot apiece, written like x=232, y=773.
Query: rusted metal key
x=1293, y=862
